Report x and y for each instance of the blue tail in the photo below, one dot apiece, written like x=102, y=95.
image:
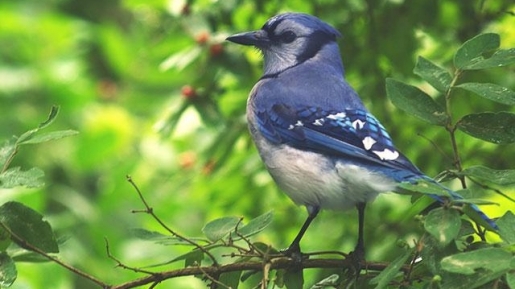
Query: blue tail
x=456, y=196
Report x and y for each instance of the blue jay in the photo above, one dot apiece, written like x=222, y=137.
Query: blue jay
x=318, y=141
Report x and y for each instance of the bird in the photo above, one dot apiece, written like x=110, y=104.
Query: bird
x=318, y=141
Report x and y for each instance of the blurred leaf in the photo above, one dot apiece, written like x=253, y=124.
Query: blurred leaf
x=28, y=225
x=510, y=279
x=54, y=135
x=254, y=226
x=490, y=91
x=499, y=177
x=230, y=279
x=181, y=59
x=416, y=102
x=6, y=152
x=495, y=127
x=492, y=259
x=159, y=238
x=438, y=77
x=443, y=224
x=293, y=279
x=54, y=111
x=14, y=177
x=8, y=272
x=507, y=227
x=389, y=273
x=498, y=59
x=332, y=280
x=426, y=188
x=477, y=217
x=194, y=258
x=473, y=49
x=219, y=228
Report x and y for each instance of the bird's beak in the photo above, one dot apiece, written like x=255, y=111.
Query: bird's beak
x=258, y=38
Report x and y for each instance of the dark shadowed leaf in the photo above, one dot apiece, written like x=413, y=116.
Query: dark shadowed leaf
x=28, y=225
x=473, y=49
x=389, y=273
x=293, y=279
x=219, y=228
x=499, y=177
x=231, y=279
x=491, y=91
x=443, y=224
x=438, y=77
x=8, y=272
x=492, y=259
x=416, y=102
x=495, y=127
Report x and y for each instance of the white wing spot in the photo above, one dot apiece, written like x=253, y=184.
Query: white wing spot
x=358, y=124
x=387, y=155
x=299, y=123
x=319, y=122
x=291, y=127
x=368, y=142
x=336, y=116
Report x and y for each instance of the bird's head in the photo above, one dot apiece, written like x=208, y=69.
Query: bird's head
x=288, y=39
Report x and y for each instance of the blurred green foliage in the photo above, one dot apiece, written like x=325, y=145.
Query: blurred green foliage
x=155, y=92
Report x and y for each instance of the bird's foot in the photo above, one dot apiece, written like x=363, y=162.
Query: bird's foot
x=357, y=258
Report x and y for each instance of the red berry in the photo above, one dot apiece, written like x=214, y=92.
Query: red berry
x=216, y=49
x=202, y=38
x=188, y=91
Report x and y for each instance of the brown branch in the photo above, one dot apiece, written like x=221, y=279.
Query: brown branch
x=277, y=263
x=24, y=244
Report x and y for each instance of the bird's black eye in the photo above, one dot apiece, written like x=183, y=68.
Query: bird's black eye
x=288, y=36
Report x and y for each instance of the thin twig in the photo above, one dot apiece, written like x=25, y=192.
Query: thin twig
x=121, y=265
x=149, y=210
x=24, y=244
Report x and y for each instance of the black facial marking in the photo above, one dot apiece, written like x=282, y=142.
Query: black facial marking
x=316, y=41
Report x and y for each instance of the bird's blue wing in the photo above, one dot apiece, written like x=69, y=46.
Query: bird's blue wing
x=354, y=134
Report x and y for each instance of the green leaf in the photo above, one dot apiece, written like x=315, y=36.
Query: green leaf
x=443, y=224
x=510, y=279
x=159, y=238
x=473, y=49
x=426, y=188
x=8, y=271
x=498, y=59
x=28, y=225
x=490, y=91
x=6, y=152
x=499, y=177
x=230, y=279
x=51, y=117
x=254, y=226
x=492, y=259
x=389, y=273
x=506, y=226
x=416, y=102
x=194, y=258
x=219, y=228
x=14, y=177
x=495, y=127
x=293, y=279
x=54, y=135
x=329, y=282
x=438, y=77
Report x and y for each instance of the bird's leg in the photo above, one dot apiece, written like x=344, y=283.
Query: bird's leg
x=293, y=250
x=358, y=255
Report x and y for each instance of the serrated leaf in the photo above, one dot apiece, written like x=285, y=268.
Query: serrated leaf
x=495, y=127
x=416, y=102
x=15, y=177
x=254, y=226
x=219, y=228
x=389, y=273
x=8, y=272
x=499, y=177
x=44, y=137
x=490, y=91
x=443, y=224
x=435, y=75
x=492, y=259
x=473, y=49
x=28, y=225
x=498, y=59
x=506, y=226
